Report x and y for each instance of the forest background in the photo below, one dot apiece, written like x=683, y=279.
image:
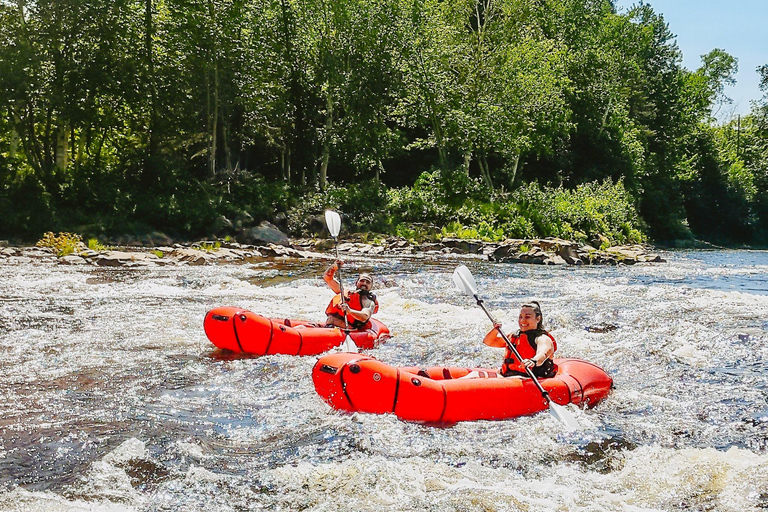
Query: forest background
x=421, y=118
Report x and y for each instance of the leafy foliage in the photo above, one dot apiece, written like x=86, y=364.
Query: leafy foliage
x=128, y=116
x=63, y=243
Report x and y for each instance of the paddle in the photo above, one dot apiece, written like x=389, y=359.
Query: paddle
x=465, y=282
x=333, y=220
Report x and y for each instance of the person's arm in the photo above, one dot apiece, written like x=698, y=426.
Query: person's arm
x=363, y=314
x=329, y=279
x=545, y=349
x=494, y=338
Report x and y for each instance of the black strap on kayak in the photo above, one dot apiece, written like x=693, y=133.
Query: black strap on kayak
x=301, y=340
x=242, y=318
x=271, y=335
x=445, y=404
x=397, y=390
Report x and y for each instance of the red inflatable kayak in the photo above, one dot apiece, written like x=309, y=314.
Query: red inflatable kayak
x=240, y=330
x=354, y=382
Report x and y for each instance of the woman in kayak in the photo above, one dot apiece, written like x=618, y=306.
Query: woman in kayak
x=535, y=345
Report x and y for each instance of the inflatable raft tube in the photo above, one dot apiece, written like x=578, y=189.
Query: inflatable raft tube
x=355, y=382
x=240, y=330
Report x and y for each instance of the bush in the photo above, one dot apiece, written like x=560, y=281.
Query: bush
x=363, y=206
x=594, y=208
x=63, y=243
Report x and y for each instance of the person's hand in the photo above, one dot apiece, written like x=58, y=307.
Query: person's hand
x=529, y=363
x=345, y=307
x=338, y=263
x=497, y=325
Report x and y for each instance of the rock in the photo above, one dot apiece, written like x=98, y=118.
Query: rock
x=281, y=221
x=114, y=258
x=601, y=327
x=222, y=225
x=462, y=245
x=193, y=256
x=554, y=260
x=243, y=220
x=264, y=233
x=281, y=251
x=87, y=253
x=125, y=258
x=570, y=254
x=72, y=259
x=156, y=238
x=316, y=226
x=599, y=241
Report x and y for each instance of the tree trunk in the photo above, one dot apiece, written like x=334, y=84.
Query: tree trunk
x=14, y=148
x=486, y=173
x=149, y=170
x=433, y=117
x=214, y=131
x=326, y=143
x=81, y=143
x=61, y=149
x=467, y=160
x=225, y=146
x=605, y=114
x=516, y=161
x=214, y=124
x=285, y=162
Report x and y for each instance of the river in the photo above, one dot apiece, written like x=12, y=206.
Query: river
x=113, y=399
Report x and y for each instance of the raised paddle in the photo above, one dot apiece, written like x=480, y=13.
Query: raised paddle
x=465, y=282
x=333, y=220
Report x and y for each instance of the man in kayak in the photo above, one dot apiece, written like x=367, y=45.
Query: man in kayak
x=358, y=306
x=535, y=345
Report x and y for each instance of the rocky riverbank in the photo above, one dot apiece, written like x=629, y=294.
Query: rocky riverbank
x=547, y=251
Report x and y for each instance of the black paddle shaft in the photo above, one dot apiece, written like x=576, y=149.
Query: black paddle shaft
x=511, y=347
x=341, y=285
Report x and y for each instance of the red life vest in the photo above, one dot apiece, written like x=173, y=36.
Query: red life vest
x=355, y=301
x=527, y=349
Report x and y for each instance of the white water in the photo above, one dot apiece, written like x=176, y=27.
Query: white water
x=113, y=398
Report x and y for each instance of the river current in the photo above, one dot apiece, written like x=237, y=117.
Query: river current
x=113, y=399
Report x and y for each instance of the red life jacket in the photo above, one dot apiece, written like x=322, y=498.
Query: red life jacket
x=527, y=349
x=355, y=301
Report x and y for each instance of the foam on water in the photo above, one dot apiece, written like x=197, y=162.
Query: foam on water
x=115, y=400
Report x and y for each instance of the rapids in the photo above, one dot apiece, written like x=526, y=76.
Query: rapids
x=113, y=399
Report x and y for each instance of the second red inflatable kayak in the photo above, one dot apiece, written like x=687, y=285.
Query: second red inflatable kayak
x=240, y=330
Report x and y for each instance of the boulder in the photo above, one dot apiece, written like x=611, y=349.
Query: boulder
x=222, y=225
x=72, y=259
x=281, y=221
x=316, y=226
x=599, y=241
x=243, y=219
x=264, y=234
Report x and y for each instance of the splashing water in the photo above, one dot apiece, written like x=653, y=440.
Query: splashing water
x=113, y=398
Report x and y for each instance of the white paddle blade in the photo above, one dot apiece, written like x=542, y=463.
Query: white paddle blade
x=349, y=345
x=564, y=416
x=333, y=220
x=464, y=280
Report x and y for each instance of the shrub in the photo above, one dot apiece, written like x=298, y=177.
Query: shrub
x=363, y=206
x=63, y=243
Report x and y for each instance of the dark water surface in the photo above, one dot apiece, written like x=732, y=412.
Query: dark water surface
x=113, y=398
